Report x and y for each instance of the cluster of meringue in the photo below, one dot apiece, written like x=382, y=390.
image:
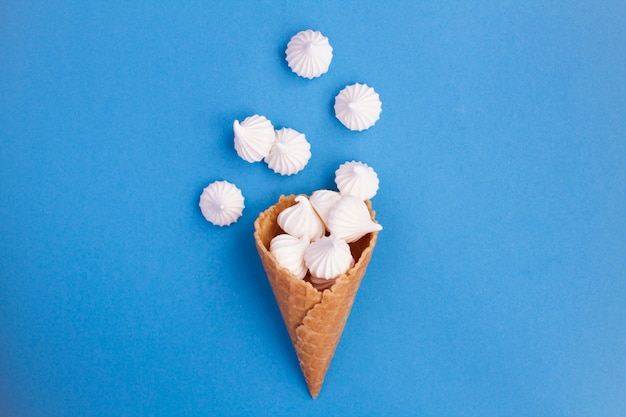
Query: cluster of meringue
x=318, y=229
x=309, y=54
x=286, y=151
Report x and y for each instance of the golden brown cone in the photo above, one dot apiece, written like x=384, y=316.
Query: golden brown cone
x=314, y=319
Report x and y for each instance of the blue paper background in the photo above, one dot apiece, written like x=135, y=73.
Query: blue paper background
x=498, y=286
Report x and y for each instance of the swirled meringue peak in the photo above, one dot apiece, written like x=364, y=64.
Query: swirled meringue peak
x=254, y=137
x=322, y=201
x=289, y=252
x=221, y=203
x=358, y=107
x=349, y=219
x=328, y=257
x=357, y=179
x=290, y=153
x=309, y=54
x=301, y=220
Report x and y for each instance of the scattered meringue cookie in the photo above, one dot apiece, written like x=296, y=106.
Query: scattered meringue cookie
x=309, y=54
x=301, y=220
x=357, y=179
x=322, y=201
x=289, y=252
x=358, y=107
x=328, y=257
x=254, y=137
x=290, y=152
x=349, y=219
x=221, y=203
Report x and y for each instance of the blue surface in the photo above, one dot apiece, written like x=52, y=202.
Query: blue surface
x=498, y=286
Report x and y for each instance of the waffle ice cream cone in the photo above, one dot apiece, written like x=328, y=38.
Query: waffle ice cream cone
x=314, y=319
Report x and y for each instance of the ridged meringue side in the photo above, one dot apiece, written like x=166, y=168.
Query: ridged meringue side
x=309, y=54
x=357, y=179
x=301, y=220
x=322, y=201
x=289, y=252
x=221, y=203
x=349, y=219
x=358, y=106
x=328, y=257
x=254, y=137
x=290, y=152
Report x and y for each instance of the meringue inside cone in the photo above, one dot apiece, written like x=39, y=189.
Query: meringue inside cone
x=272, y=229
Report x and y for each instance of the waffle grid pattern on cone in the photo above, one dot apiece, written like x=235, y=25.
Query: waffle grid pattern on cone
x=314, y=319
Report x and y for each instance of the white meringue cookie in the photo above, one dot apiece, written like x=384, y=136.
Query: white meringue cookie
x=289, y=252
x=328, y=257
x=301, y=220
x=309, y=54
x=221, y=203
x=356, y=179
x=254, y=137
x=350, y=219
x=358, y=107
x=290, y=153
x=322, y=201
